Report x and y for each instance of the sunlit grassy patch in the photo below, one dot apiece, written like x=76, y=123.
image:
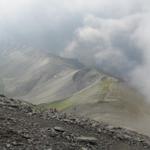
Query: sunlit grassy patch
x=106, y=84
x=59, y=105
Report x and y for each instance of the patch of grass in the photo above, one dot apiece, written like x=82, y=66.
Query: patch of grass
x=59, y=105
x=106, y=84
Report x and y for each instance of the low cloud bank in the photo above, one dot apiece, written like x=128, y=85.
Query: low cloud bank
x=119, y=46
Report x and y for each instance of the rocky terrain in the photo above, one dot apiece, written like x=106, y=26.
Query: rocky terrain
x=24, y=127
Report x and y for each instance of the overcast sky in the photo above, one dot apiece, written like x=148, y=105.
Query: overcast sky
x=51, y=24
x=114, y=35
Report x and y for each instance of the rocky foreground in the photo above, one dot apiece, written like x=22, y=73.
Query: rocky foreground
x=22, y=127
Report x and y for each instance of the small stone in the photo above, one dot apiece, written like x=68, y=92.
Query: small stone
x=91, y=140
x=126, y=137
x=14, y=143
x=83, y=148
x=53, y=133
x=109, y=127
x=59, y=129
x=99, y=130
x=8, y=145
x=67, y=120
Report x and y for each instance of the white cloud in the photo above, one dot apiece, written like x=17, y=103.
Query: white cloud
x=100, y=37
x=119, y=46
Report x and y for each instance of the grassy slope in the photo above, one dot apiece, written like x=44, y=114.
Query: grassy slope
x=96, y=93
x=59, y=105
x=109, y=100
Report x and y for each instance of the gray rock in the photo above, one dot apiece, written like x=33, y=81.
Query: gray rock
x=83, y=148
x=19, y=130
x=59, y=129
x=91, y=140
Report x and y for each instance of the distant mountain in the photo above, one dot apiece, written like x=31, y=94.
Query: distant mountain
x=39, y=77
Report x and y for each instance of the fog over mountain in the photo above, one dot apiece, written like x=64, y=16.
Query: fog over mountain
x=112, y=35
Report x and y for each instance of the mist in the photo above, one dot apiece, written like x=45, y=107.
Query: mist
x=111, y=35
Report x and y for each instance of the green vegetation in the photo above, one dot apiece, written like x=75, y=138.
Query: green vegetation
x=106, y=84
x=105, y=87
x=59, y=105
x=99, y=92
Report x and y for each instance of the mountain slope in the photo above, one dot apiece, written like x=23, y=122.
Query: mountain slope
x=55, y=82
x=36, y=75
x=109, y=100
x=40, y=77
x=21, y=127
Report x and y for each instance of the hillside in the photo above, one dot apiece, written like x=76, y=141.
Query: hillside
x=36, y=75
x=51, y=81
x=109, y=100
x=39, y=77
x=23, y=127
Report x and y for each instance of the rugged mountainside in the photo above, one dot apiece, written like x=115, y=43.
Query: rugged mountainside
x=23, y=126
x=55, y=82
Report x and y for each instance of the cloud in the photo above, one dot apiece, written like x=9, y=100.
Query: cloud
x=108, y=43
x=50, y=24
x=117, y=45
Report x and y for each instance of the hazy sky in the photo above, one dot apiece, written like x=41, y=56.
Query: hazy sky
x=51, y=24
x=112, y=34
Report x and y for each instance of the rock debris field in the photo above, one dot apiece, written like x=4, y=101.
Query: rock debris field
x=22, y=127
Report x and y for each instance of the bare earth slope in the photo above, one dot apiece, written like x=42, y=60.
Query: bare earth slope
x=23, y=128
